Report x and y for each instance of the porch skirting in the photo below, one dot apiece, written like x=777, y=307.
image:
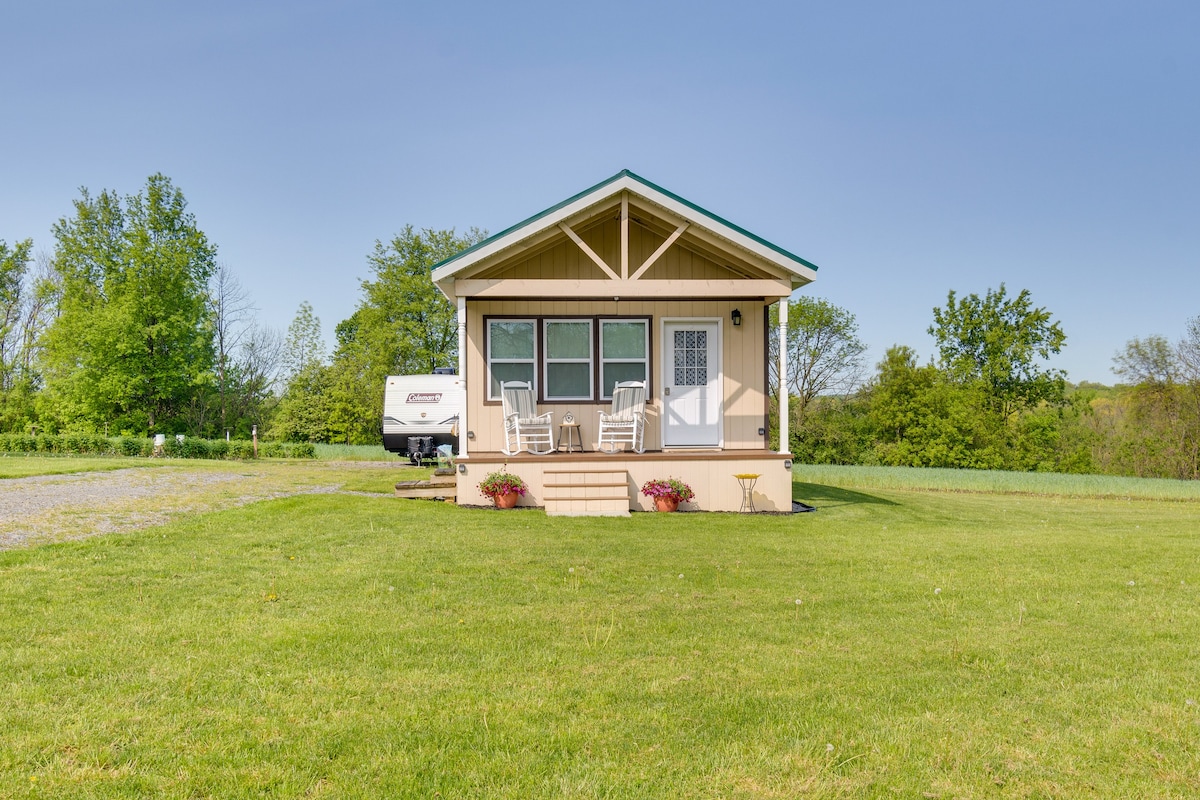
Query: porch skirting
x=710, y=473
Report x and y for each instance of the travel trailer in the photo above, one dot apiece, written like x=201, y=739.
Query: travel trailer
x=420, y=412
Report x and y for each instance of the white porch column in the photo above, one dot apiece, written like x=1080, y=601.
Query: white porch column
x=784, y=439
x=462, y=373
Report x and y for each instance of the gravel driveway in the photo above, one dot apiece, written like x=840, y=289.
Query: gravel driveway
x=57, y=507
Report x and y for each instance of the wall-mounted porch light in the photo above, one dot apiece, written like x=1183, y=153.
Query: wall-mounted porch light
x=737, y=318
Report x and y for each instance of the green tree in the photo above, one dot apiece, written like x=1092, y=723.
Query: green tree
x=403, y=325
x=825, y=355
x=303, y=347
x=999, y=342
x=304, y=409
x=922, y=418
x=1152, y=361
x=1160, y=434
x=132, y=341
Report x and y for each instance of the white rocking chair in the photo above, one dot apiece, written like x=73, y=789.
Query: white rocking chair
x=524, y=428
x=625, y=422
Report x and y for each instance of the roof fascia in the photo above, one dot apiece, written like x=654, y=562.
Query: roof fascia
x=443, y=272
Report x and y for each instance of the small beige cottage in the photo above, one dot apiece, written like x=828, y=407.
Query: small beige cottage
x=624, y=283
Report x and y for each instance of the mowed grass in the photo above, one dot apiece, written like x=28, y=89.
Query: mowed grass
x=897, y=643
x=353, y=452
x=968, y=480
x=22, y=466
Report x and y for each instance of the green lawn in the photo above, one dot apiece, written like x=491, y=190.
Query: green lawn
x=16, y=465
x=900, y=642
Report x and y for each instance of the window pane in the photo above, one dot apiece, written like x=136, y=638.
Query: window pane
x=511, y=339
x=568, y=380
x=568, y=340
x=624, y=339
x=622, y=372
x=510, y=372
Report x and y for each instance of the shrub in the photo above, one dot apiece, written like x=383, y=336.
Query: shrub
x=272, y=450
x=241, y=450
x=134, y=446
x=301, y=450
x=17, y=443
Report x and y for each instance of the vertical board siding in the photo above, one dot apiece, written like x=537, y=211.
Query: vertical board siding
x=741, y=365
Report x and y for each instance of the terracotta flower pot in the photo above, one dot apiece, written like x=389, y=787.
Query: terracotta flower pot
x=666, y=504
x=506, y=500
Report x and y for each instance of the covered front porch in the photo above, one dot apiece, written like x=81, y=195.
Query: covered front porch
x=597, y=483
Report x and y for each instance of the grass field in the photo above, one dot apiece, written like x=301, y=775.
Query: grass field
x=22, y=466
x=354, y=452
x=913, y=641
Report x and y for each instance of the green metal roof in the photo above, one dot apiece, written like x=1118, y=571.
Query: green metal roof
x=626, y=174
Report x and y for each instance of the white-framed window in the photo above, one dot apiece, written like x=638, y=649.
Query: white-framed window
x=567, y=359
x=568, y=362
x=624, y=352
x=511, y=353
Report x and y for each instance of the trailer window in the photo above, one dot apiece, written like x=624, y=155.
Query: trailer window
x=624, y=349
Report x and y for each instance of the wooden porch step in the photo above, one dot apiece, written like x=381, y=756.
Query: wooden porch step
x=440, y=484
x=586, y=493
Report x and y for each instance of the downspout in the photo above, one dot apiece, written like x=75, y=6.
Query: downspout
x=784, y=438
x=462, y=374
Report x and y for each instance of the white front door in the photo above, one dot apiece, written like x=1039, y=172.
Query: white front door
x=691, y=384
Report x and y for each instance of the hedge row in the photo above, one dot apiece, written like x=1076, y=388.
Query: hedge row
x=90, y=444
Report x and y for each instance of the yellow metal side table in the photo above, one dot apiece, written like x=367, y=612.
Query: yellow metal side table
x=747, y=481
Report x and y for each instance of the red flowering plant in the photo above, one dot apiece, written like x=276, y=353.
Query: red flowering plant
x=502, y=482
x=669, y=489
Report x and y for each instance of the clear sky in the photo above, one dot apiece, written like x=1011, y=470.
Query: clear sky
x=905, y=148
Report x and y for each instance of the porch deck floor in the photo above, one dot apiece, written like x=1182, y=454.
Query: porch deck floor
x=591, y=456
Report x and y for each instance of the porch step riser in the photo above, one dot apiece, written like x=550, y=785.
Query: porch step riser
x=586, y=493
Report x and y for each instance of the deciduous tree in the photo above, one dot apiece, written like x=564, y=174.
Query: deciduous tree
x=403, y=324
x=25, y=298
x=1000, y=343
x=132, y=340
x=303, y=347
x=825, y=355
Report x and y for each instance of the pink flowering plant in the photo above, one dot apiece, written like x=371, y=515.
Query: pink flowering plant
x=668, y=488
x=502, y=482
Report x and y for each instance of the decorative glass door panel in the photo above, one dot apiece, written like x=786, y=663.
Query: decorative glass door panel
x=692, y=385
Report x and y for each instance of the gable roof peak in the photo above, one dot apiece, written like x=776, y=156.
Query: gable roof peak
x=625, y=180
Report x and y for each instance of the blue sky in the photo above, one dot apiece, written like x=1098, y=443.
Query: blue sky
x=905, y=148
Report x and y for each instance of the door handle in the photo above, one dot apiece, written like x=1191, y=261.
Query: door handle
x=666, y=390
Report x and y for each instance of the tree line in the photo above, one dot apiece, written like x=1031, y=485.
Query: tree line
x=131, y=326
x=989, y=398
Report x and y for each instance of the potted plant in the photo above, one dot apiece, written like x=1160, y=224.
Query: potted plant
x=503, y=487
x=667, y=493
